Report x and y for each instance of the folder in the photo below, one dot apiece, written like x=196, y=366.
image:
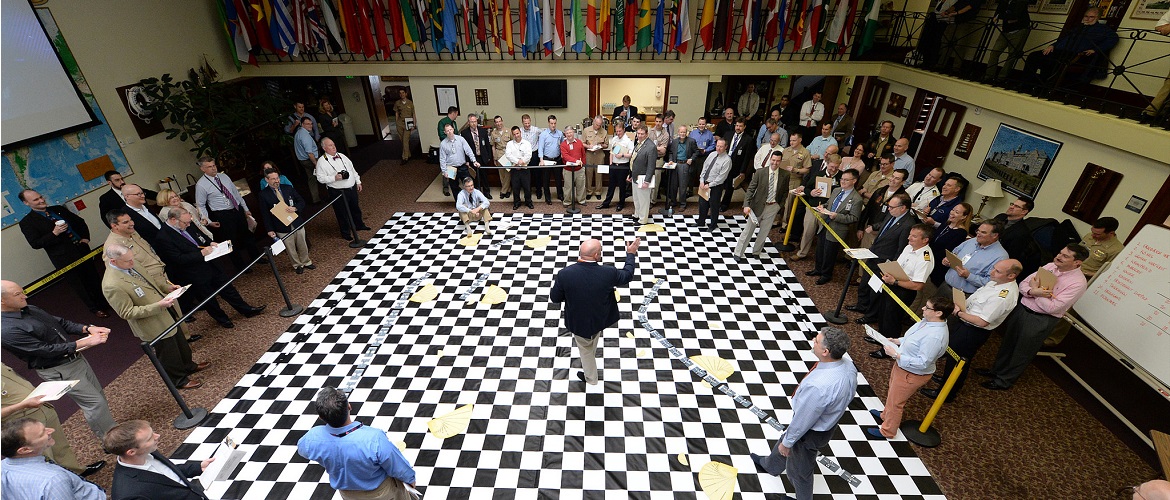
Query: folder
x=280, y=211
x=894, y=269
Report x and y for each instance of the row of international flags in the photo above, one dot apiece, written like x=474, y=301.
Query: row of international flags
x=373, y=27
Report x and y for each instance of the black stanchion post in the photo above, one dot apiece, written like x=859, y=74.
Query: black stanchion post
x=356, y=242
x=573, y=192
x=290, y=309
x=836, y=317
x=190, y=418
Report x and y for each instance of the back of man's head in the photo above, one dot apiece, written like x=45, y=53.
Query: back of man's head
x=332, y=406
x=836, y=341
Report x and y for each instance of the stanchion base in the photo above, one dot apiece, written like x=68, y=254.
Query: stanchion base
x=198, y=415
x=928, y=439
x=785, y=247
x=573, y=211
x=835, y=318
x=290, y=312
x=357, y=243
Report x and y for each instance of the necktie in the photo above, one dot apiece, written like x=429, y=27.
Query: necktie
x=734, y=142
x=187, y=235
x=772, y=186
x=887, y=226
x=227, y=195
x=837, y=201
x=279, y=197
x=475, y=139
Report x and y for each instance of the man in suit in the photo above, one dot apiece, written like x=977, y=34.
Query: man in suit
x=587, y=289
x=642, y=173
x=1017, y=237
x=844, y=208
x=682, y=151
x=842, y=125
x=183, y=248
x=143, y=472
x=65, y=237
x=625, y=112
x=764, y=199
x=742, y=150
x=890, y=236
x=480, y=141
x=115, y=198
x=144, y=304
x=145, y=222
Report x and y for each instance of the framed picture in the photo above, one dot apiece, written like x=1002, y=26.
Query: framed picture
x=1019, y=159
x=1150, y=9
x=1033, y=6
x=897, y=102
x=967, y=141
x=1056, y=6
x=445, y=97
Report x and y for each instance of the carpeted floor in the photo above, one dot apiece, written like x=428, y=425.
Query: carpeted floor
x=1034, y=441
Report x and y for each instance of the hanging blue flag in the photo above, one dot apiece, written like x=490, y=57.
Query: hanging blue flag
x=659, y=28
x=534, y=28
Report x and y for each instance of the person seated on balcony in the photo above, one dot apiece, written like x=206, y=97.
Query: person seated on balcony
x=1158, y=105
x=947, y=15
x=1082, y=50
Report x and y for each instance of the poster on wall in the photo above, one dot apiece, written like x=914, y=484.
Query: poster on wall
x=1150, y=9
x=135, y=101
x=1056, y=6
x=1019, y=159
x=61, y=168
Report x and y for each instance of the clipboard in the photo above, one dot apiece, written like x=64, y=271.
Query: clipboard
x=825, y=184
x=177, y=293
x=1045, y=279
x=752, y=216
x=52, y=390
x=227, y=457
x=959, y=298
x=894, y=269
x=874, y=334
x=280, y=211
x=705, y=193
x=220, y=250
x=956, y=262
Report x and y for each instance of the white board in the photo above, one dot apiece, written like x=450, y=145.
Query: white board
x=1129, y=303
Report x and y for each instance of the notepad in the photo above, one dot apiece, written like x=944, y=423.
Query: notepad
x=53, y=390
x=219, y=251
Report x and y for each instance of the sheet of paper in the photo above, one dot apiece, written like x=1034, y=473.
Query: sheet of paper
x=894, y=269
x=670, y=165
x=180, y=291
x=603, y=169
x=752, y=216
x=280, y=211
x=595, y=147
x=875, y=283
x=825, y=184
x=413, y=492
x=860, y=253
x=227, y=457
x=1046, y=278
x=876, y=335
x=278, y=246
x=954, y=260
x=52, y=390
x=220, y=250
x=960, y=298
x=503, y=162
x=547, y=162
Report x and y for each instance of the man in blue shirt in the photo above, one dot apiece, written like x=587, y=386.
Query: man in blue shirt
x=26, y=472
x=979, y=255
x=550, y=150
x=305, y=148
x=817, y=405
x=821, y=143
x=359, y=459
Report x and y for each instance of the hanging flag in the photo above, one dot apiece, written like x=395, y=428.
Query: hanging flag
x=707, y=24
x=631, y=23
x=422, y=19
x=768, y=36
x=258, y=14
x=759, y=12
x=577, y=35
x=782, y=25
x=619, y=24
x=237, y=33
x=748, y=7
x=591, y=26
x=378, y=17
x=532, y=34
x=328, y=22
x=450, y=29
x=682, y=30
x=798, y=21
x=553, y=27
x=836, y=34
x=468, y=22
x=506, y=26
x=481, y=23
x=282, y=31
x=872, y=9
x=645, y=32
x=365, y=19
x=345, y=10
x=660, y=26
x=397, y=24
x=724, y=26
x=604, y=24
x=812, y=24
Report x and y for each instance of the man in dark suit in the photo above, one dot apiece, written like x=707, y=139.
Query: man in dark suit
x=481, y=142
x=587, y=289
x=881, y=142
x=143, y=472
x=114, y=198
x=765, y=196
x=183, y=248
x=741, y=147
x=890, y=236
x=625, y=112
x=842, y=209
x=146, y=222
x=65, y=237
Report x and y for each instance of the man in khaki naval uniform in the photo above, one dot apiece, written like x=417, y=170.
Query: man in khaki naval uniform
x=500, y=136
x=403, y=109
x=594, y=137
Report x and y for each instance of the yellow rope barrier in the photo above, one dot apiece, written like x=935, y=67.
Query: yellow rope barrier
x=57, y=274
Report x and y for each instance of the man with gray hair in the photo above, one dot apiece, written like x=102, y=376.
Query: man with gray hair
x=817, y=405
x=361, y=461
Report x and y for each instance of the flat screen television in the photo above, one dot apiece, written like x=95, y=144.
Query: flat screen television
x=544, y=94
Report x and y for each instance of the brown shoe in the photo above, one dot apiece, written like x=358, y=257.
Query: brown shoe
x=795, y=258
x=192, y=384
x=202, y=366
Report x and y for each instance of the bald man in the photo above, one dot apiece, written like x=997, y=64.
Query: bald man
x=587, y=289
x=1157, y=489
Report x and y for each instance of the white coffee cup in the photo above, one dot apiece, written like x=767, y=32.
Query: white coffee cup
x=60, y=223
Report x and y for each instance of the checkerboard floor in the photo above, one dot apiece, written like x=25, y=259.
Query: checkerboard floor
x=537, y=432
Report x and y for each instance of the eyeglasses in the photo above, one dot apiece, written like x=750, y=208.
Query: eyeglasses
x=1130, y=491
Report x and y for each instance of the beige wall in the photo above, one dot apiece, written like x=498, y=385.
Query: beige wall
x=356, y=106
x=116, y=44
x=640, y=90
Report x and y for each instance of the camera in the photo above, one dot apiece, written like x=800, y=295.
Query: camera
x=344, y=174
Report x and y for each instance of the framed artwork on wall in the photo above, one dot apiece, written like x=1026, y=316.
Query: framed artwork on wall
x=445, y=97
x=1056, y=6
x=1150, y=9
x=1019, y=159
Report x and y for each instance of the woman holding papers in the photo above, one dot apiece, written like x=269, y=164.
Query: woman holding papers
x=915, y=357
x=281, y=203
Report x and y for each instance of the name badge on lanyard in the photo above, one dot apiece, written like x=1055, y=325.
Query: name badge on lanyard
x=139, y=292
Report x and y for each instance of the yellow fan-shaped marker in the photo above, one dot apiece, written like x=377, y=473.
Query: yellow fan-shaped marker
x=718, y=480
x=651, y=228
x=470, y=241
x=682, y=458
x=439, y=353
x=718, y=367
x=425, y=294
x=641, y=353
x=540, y=242
x=714, y=325
x=401, y=445
x=617, y=297
x=629, y=335
x=451, y=424
x=494, y=295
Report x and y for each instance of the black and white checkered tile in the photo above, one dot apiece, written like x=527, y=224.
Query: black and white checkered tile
x=537, y=432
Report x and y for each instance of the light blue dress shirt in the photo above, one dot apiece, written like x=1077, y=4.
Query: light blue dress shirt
x=550, y=143
x=922, y=345
x=821, y=399
x=980, y=264
x=33, y=478
x=356, y=459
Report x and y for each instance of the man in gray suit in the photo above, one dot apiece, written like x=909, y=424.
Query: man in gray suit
x=843, y=208
x=763, y=201
x=642, y=169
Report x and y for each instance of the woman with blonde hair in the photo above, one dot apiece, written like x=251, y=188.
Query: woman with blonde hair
x=168, y=199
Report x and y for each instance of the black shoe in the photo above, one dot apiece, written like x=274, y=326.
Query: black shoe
x=823, y=280
x=855, y=308
x=530, y=207
x=488, y=196
x=364, y=227
x=346, y=237
x=603, y=205
x=195, y=338
x=723, y=208
x=990, y=384
x=759, y=461
x=310, y=266
x=505, y=195
x=537, y=194
x=938, y=379
x=255, y=311
x=984, y=372
x=190, y=319
x=738, y=259
x=515, y=206
x=619, y=207
x=877, y=416
x=712, y=227
x=548, y=200
x=880, y=354
x=93, y=468
x=812, y=273
x=227, y=324
x=930, y=393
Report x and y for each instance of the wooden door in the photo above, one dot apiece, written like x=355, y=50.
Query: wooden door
x=940, y=134
x=871, y=108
